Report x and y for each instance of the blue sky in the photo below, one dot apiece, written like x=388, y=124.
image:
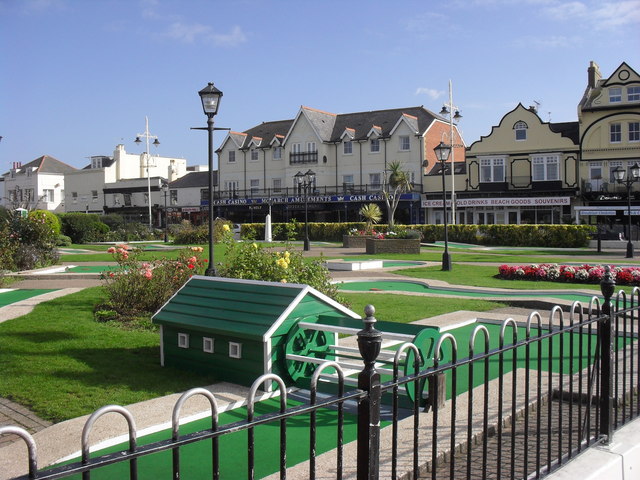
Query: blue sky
x=79, y=76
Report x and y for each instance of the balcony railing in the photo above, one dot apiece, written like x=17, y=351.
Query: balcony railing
x=303, y=158
x=326, y=190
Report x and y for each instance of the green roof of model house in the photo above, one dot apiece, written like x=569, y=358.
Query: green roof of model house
x=249, y=309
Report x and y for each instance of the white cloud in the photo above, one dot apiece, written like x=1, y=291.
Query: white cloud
x=600, y=16
x=430, y=92
x=196, y=32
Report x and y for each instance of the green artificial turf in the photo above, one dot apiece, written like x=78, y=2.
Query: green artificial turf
x=195, y=459
x=13, y=296
x=60, y=363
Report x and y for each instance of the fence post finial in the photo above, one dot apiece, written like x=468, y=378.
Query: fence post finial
x=369, y=344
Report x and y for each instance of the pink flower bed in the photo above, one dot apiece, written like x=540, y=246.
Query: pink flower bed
x=569, y=273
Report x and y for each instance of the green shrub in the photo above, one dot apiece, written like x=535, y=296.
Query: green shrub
x=27, y=242
x=45, y=216
x=83, y=227
x=63, y=241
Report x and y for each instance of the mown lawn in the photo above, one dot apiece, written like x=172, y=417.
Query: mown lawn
x=60, y=363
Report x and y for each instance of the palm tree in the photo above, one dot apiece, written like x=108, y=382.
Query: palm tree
x=371, y=214
x=397, y=182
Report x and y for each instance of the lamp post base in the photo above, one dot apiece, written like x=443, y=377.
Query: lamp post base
x=629, y=249
x=446, y=262
x=306, y=246
x=210, y=272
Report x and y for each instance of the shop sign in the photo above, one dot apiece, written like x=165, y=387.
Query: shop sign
x=371, y=197
x=502, y=202
x=190, y=209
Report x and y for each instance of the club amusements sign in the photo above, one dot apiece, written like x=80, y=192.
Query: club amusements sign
x=373, y=197
x=501, y=202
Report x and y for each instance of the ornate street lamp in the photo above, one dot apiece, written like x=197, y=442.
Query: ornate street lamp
x=442, y=154
x=146, y=135
x=454, y=115
x=210, y=97
x=165, y=190
x=619, y=174
x=305, y=181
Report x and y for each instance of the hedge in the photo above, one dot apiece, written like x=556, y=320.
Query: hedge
x=555, y=236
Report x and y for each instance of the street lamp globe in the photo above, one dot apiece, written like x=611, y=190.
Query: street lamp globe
x=442, y=151
x=210, y=97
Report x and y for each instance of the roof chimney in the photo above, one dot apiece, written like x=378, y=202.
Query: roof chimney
x=593, y=74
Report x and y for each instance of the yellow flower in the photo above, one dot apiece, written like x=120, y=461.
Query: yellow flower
x=226, y=228
x=284, y=280
x=254, y=245
x=281, y=262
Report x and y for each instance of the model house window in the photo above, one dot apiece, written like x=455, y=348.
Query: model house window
x=127, y=199
x=613, y=165
x=254, y=155
x=545, y=168
x=615, y=95
x=615, y=133
x=235, y=350
x=634, y=131
x=347, y=148
x=173, y=194
x=48, y=195
x=232, y=156
x=311, y=146
x=277, y=185
x=277, y=153
x=633, y=94
x=207, y=345
x=94, y=196
x=183, y=340
x=521, y=130
x=405, y=146
x=374, y=180
x=375, y=145
x=492, y=170
x=74, y=197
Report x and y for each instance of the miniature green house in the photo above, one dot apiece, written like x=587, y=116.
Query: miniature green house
x=238, y=329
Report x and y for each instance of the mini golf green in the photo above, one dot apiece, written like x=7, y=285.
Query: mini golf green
x=13, y=296
x=195, y=458
x=90, y=269
x=402, y=286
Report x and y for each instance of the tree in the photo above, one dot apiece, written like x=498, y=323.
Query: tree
x=397, y=182
x=371, y=214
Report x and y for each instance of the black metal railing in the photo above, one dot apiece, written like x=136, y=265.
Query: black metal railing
x=299, y=158
x=516, y=404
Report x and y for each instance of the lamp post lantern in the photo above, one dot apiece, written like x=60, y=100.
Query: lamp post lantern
x=210, y=97
x=165, y=190
x=619, y=174
x=442, y=153
x=305, y=181
x=454, y=114
x=146, y=135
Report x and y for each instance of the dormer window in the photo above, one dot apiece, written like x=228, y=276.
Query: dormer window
x=521, y=131
x=615, y=95
x=375, y=145
x=347, y=148
x=254, y=155
x=277, y=153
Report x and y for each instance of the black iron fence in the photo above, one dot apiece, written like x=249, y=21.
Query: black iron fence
x=516, y=404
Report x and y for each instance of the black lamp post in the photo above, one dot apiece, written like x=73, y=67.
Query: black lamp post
x=619, y=174
x=442, y=154
x=165, y=190
x=305, y=181
x=210, y=97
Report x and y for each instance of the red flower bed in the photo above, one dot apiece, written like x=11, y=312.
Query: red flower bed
x=569, y=273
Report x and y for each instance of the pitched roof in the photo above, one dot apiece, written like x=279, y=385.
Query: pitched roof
x=194, y=179
x=363, y=122
x=47, y=164
x=570, y=130
x=267, y=131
